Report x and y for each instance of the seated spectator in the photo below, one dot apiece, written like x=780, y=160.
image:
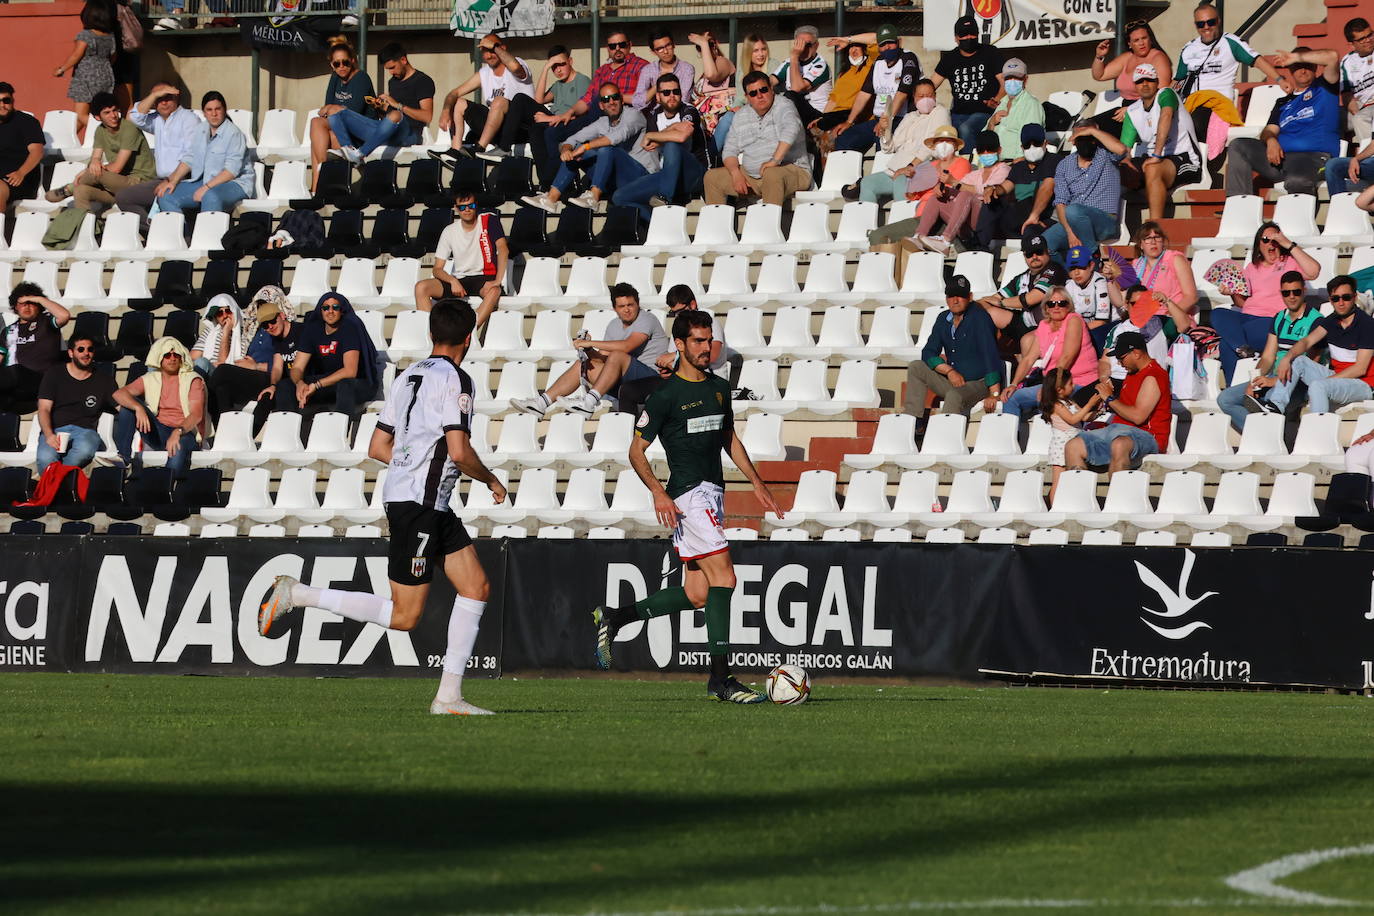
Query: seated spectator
x=1016, y=308
x=503, y=78
x=724, y=362
x=1099, y=301
x=714, y=91
x=958, y=203
x=959, y=361
x=1303, y=131
x=622, y=67
x=21, y=151
x=804, y=77
x=71, y=399
x=885, y=93
x=406, y=109
x=1026, y=194
x=552, y=99
x=166, y=405
x=1165, y=272
x=676, y=132
x=1357, y=78
x=1142, y=421
x=1159, y=135
x=766, y=150
x=908, y=148
x=349, y=89
x=1289, y=326
x=1087, y=192
x=31, y=345
x=225, y=333
x=610, y=147
x=1206, y=77
x=1246, y=326
x=668, y=64
x=1061, y=341
x=1016, y=109
x=1348, y=333
x=335, y=363
x=225, y=165
x=1141, y=48
x=974, y=71
x=120, y=158
x=249, y=379
x=1065, y=416
x=856, y=63
x=93, y=50
x=633, y=342
x=470, y=259
x=1359, y=459
x=945, y=168
x=753, y=55
x=178, y=135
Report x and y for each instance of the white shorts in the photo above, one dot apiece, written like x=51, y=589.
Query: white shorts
x=700, y=532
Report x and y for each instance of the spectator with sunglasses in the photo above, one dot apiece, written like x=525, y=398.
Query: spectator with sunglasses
x=610, y=147
x=1061, y=341
x=348, y=88
x=21, y=151
x=71, y=399
x=1208, y=69
x=503, y=78
x=470, y=259
x=404, y=110
x=166, y=405
x=551, y=99
x=677, y=132
x=1303, y=131
x=1291, y=325
x=764, y=152
x=669, y=64
x=1357, y=79
x=334, y=364
x=1348, y=334
x=622, y=69
x=1247, y=324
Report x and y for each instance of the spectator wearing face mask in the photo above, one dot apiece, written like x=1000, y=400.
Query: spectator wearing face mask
x=908, y=148
x=946, y=168
x=1087, y=192
x=888, y=88
x=1027, y=193
x=958, y=203
x=974, y=71
x=1017, y=109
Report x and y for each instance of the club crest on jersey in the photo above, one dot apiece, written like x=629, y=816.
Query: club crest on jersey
x=417, y=566
x=643, y=420
x=465, y=403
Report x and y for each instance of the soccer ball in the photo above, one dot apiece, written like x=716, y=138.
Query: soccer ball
x=788, y=685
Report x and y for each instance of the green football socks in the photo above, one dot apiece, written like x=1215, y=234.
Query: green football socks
x=665, y=601
x=718, y=620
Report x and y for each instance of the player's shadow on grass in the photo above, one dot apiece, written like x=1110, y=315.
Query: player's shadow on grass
x=409, y=850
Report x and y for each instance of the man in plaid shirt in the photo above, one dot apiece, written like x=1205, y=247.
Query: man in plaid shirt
x=622, y=67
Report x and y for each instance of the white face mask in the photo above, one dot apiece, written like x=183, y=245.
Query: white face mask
x=925, y=104
x=1034, y=153
x=944, y=149
x=858, y=59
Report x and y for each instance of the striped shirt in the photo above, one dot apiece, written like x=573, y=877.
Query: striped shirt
x=430, y=398
x=1097, y=186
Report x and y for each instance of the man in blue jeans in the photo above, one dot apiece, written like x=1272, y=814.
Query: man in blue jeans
x=1143, y=418
x=974, y=72
x=407, y=107
x=675, y=130
x=1087, y=193
x=71, y=398
x=1291, y=325
x=1349, y=337
x=166, y=405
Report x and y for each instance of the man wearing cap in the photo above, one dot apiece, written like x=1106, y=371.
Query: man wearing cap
x=1151, y=327
x=1303, y=130
x=764, y=151
x=1291, y=325
x=1159, y=134
x=890, y=84
x=1097, y=300
x=1016, y=308
x=1026, y=195
x=1017, y=109
x=974, y=71
x=959, y=362
x=1087, y=192
x=1142, y=418
x=232, y=385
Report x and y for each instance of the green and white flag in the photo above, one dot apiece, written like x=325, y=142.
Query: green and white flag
x=509, y=18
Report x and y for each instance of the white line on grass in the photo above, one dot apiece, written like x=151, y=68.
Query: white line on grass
x=1261, y=880
x=934, y=906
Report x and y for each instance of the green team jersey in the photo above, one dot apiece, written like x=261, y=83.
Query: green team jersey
x=692, y=419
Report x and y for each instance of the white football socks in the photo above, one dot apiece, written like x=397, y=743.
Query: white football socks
x=462, y=634
x=359, y=606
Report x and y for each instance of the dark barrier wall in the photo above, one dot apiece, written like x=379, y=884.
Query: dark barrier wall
x=1205, y=617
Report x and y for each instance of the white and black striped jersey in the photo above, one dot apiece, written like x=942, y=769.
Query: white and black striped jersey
x=430, y=398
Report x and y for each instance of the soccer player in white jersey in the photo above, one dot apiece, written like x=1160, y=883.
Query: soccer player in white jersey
x=422, y=435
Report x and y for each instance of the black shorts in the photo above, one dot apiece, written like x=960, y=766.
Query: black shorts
x=472, y=284
x=420, y=538
x=1188, y=171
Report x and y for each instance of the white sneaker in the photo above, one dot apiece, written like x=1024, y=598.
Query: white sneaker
x=543, y=202
x=457, y=708
x=277, y=605
x=935, y=243
x=350, y=21
x=587, y=201
x=352, y=155
x=167, y=24
x=537, y=405
x=587, y=403
x=492, y=153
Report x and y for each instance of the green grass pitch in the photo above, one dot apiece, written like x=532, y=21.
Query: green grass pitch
x=232, y=795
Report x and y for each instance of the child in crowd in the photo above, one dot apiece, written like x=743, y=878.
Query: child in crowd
x=1064, y=416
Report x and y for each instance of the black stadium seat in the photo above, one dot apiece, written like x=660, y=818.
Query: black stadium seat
x=124, y=529
x=391, y=233
x=135, y=335
x=468, y=175
x=76, y=528
x=378, y=182
x=15, y=485
x=508, y=180
x=107, y=493
x=28, y=526
x=173, y=286
x=199, y=488
x=336, y=183
x=573, y=232
x=95, y=325
x=621, y=227
x=221, y=277
x=9, y=433
x=527, y=229
x=432, y=223
x=184, y=326
x=261, y=273
x=424, y=179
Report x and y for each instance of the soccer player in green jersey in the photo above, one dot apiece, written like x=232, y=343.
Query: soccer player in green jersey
x=691, y=412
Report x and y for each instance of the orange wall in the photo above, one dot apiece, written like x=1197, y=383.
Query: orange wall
x=36, y=38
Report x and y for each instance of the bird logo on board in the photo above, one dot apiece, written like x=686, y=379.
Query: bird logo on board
x=417, y=566
x=1176, y=603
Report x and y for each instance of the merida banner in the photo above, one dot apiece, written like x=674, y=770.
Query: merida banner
x=1021, y=23
x=286, y=29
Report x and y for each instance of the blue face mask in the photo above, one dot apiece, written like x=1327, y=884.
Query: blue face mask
x=1013, y=87
x=987, y=160
x=890, y=55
